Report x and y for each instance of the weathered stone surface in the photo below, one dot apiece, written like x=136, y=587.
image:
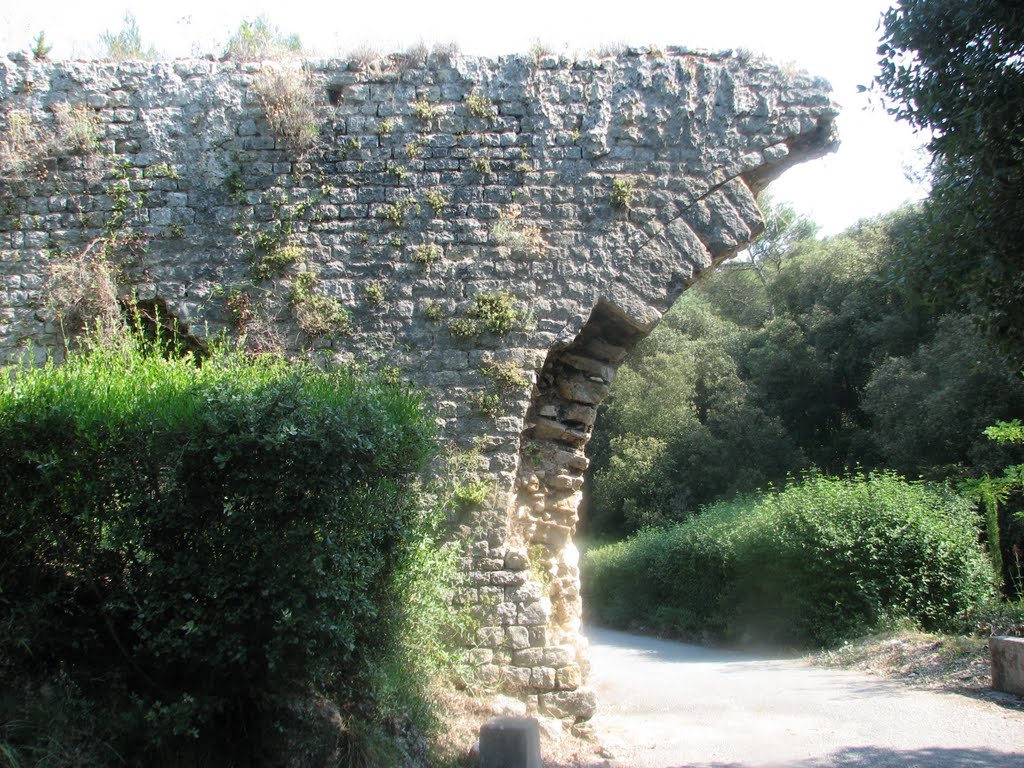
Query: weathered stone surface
x=580, y=704
x=517, y=194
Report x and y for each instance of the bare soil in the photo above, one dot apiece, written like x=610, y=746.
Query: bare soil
x=951, y=663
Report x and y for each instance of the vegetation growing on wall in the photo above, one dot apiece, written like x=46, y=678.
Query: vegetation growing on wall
x=126, y=44
x=257, y=39
x=290, y=105
x=316, y=313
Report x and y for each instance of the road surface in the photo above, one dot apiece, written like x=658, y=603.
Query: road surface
x=670, y=705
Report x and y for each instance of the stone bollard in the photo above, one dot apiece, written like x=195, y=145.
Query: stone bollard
x=510, y=742
x=1007, y=664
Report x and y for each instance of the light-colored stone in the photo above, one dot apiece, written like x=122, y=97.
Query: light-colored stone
x=506, y=706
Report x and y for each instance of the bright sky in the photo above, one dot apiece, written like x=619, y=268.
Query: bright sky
x=836, y=40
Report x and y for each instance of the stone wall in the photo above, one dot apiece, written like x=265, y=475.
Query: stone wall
x=498, y=232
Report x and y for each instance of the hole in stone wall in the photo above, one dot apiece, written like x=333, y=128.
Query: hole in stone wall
x=156, y=323
x=334, y=94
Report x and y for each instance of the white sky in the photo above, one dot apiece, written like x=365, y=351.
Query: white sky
x=834, y=39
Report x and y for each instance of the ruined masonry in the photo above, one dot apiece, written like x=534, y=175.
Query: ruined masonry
x=499, y=232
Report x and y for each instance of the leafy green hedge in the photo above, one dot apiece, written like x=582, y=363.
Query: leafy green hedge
x=203, y=543
x=814, y=563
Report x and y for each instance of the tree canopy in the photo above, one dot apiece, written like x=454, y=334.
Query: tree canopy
x=956, y=70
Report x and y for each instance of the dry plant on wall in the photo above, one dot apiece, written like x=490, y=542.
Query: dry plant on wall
x=521, y=238
x=82, y=293
x=286, y=93
x=77, y=129
x=22, y=147
x=25, y=144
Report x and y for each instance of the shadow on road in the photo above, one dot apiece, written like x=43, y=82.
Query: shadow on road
x=674, y=652
x=875, y=757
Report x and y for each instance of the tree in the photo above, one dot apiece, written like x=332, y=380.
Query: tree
x=784, y=229
x=956, y=70
x=126, y=44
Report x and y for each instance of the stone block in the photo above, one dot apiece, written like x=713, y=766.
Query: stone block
x=1007, y=664
x=542, y=679
x=518, y=678
x=579, y=704
x=559, y=655
x=517, y=638
x=517, y=559
x=529, y=657
x=582, y=390
x=569, y=677
x=510, y=742
x=490, y=637
x=536, y=613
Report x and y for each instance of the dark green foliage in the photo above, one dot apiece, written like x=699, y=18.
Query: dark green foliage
x=930, y=409
x=825, y=354
x=200, y=544
x=812, y=564
x=657, y=465
x=953, y=68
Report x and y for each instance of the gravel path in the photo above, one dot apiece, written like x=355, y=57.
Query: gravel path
x=669, y=705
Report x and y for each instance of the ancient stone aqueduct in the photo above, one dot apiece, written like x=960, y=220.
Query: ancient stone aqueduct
x=500, y=232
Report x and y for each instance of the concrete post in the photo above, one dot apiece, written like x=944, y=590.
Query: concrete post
x=510, y=742
x=1007, y=664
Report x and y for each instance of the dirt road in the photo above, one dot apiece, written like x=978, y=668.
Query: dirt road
x=665, y=704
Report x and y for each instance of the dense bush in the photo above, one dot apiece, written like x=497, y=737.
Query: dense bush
x=202, y=544
x=810, y=354
x=818, y=561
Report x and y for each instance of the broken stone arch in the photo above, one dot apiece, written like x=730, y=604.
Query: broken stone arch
x=591, y=191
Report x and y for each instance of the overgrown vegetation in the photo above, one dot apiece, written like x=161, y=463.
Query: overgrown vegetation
x=258, y=39
x=209, y=564
x=126, y=44
x=495, y=312
x=623, y=192
x=290, y=105
x=808, y=353
x=819, y=561
x=26, y=143
x=275, y=261
x=954, y=71
x=896, y=345
x=523, y=239
x=316, y=313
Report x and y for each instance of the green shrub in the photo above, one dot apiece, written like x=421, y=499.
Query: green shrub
x=316, y=313
x=669, y=580
x=275, y=261
x=199, y=546
x=832, y=556
x=127, y=43
x=496, y=312
x=821, y=560
x=259, y=39
x=623, y=191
